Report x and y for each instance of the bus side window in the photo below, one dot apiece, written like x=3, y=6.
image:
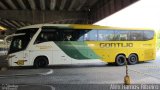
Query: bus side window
x=86, y=37
x=136, y=35
x=148, y=35
x=80, y=35
x=42, y=37
x=122, y=35
x=105, y=35
x=93, y=35
x=68, y=37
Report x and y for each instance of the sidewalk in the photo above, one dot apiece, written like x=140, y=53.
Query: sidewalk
x=25, y=72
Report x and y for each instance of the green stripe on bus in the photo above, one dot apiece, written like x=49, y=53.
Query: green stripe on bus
x=77, y=50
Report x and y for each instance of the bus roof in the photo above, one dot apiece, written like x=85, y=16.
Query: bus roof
x=82, y=26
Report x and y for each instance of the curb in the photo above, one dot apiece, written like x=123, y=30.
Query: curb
x=23, y=75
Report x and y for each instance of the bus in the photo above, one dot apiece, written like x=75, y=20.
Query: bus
x=57, y=44
x=3, y=48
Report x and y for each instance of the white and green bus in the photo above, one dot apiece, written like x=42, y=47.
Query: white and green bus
x=54, y=44
x=3, y=48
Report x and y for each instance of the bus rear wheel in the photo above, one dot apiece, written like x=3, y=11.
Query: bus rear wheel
x=120, y=60
x=132, y=59
x=40, y=62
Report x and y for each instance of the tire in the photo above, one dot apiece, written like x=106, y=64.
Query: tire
x=40, y=62
x=120, y=60
x=132, y=59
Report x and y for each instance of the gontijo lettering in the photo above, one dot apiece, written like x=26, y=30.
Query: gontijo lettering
x=107, y=45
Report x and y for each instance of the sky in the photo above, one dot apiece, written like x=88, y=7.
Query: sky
x=142, y=14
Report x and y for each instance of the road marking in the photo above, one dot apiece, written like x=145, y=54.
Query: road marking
x=25, y=75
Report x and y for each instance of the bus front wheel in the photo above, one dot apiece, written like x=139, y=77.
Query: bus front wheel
x=40, y=62
x=132, y=59
x=120, y=60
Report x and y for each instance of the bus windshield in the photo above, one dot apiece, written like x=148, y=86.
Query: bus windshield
x=21, y=42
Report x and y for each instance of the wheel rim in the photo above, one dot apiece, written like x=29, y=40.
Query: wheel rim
x=133, y=59
x=121, y=61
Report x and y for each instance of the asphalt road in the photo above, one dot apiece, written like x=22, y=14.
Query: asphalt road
x=90, y=74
